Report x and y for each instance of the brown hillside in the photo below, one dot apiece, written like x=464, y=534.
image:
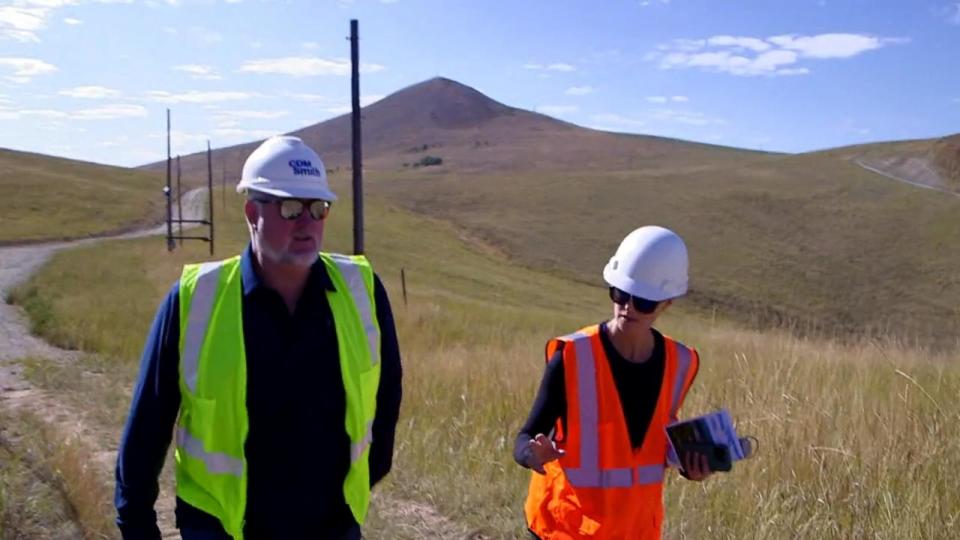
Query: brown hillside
x=946, y=156
x=473, y=133
x=929, y=162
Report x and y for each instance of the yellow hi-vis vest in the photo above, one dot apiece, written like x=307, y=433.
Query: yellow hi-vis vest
x=213, y=423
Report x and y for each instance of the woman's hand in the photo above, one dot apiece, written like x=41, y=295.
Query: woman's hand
x=695, y=466
x=542, y=450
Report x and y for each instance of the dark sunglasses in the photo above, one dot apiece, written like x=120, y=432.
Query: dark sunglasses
x=292, y=209
x=640, y=304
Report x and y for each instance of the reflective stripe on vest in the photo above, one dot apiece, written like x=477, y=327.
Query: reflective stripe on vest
x=358, y=290
x=357, y=449
x=216, y=462
x=589, y=474
x=200, y=307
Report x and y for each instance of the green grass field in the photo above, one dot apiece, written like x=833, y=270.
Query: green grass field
x=49, y=198
x=858, y=440
x=810, y=241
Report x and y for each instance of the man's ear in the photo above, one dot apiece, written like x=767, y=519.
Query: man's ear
x=252, y=212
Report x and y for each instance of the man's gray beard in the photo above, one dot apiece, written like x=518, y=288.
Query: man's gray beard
x=304, y=260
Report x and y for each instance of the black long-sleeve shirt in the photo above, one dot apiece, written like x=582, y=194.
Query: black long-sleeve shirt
x=297, y=448
x=638, y=386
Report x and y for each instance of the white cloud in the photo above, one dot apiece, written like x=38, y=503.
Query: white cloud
x=110, y=112
x=691, y=118
x=182, y=142
x=310, y=45
x=579, y=90
x=25, y=69
x=71, y=21
x=751, y=43
x=559, y=66
x=304, y=66
x=234, y=133
x=613, y=119
x=196, y=96
x=46, y=3
x=250, y=114
x=44, y=113
x=90, y=92
x=198, y=71
x=557, y=110
x=312, y=98
x=22, y=23
x=683, y=45
x=775, y=56
x=121, y=140
x=665, y=99
x=833, y=45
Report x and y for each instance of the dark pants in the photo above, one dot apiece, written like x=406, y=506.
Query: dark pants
x=188, y=533
x=202, y=534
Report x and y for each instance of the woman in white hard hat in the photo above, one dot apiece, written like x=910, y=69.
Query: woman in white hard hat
x=595, y=437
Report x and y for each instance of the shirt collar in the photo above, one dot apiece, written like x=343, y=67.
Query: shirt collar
x=251, y=280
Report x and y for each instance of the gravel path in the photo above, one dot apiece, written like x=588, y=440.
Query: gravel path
x=17, y=264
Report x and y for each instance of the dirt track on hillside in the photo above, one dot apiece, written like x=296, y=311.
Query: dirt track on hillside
x=17, y=264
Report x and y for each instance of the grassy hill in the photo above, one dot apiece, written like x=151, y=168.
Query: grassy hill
x=50, y=198
x=808, y=240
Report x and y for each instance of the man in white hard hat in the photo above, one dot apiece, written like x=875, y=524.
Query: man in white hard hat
x=608, y=392
x=278, y=372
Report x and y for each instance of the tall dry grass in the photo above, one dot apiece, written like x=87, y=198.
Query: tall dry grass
x=50, y=486
x=856, y=441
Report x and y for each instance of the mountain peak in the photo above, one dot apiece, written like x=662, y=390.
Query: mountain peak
x=441, y=102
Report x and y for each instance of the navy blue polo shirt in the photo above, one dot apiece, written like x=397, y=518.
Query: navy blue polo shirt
x=297, y=448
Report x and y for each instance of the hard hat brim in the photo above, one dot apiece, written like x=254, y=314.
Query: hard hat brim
x=636, y=288
x=295, y=192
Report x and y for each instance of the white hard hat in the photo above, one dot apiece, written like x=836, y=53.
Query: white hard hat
x=651, y=263
x=286, y=167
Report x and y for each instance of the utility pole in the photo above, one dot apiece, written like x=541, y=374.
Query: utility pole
x=357, y=141
x=210, y=191
x=166, y=190
x=179, y=204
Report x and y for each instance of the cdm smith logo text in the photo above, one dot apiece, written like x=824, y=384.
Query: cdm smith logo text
x=303, y=167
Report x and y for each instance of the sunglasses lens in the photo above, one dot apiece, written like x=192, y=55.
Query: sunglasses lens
x=291, y=208
x=643, y=305
x=640, y=304
x=319, y=209
x=618, y=296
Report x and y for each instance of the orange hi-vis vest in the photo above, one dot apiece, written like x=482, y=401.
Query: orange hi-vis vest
x=603, y=488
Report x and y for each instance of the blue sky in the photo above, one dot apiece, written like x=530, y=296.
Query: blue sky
x=91, y=79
